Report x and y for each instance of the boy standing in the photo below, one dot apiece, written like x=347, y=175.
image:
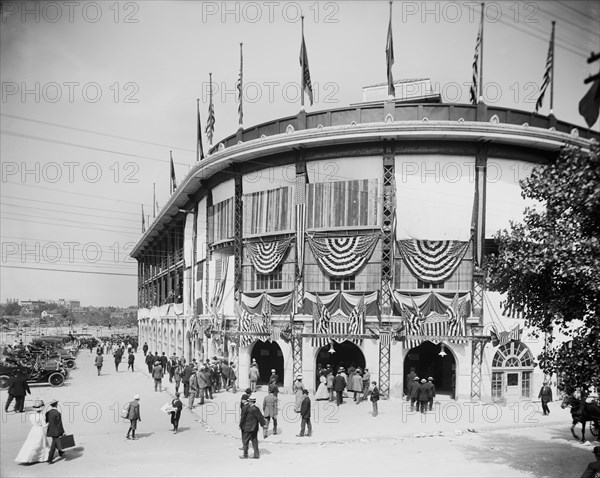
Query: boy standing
x=305, y=415
x=374, y=398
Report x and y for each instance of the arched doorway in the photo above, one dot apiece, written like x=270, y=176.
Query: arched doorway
x=512, y=368
x=428, y=362
x=268, y=356
x=345, y=354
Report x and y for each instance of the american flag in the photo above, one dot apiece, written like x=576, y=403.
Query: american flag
x=473, y=92
x=548, y=73
x=357, y=318
x=504, y=337
x=306, y=84
x=200, y=152
x=389, y=57
x=240, y=85
x=321, y=321
x=210, y=122
x=248, y=323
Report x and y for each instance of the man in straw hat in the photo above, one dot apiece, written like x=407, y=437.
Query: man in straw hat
x=55, y=430
x=250, y=419
x=133, y=415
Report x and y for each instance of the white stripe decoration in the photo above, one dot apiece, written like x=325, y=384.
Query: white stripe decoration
x=342, y=256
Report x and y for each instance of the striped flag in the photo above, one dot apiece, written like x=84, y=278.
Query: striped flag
x=240, y=85
x=389, y=56
x=385, y=338
x=143, y=220
x=306, y=84
x=173, y=180
x=456, y=322
x=199, y=147
x=357, y=318
x=473, y=93
x=321, y=323
x=504, y=337
x=210, y=123
x=548, y=74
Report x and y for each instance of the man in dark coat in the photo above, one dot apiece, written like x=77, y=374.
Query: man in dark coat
x=145, y=348
x=410, y=378
x=546, y=396
x=55, y=430
x=423, y=395
x=413, y=393
x=149, y=362
x=118, y=355
x=18, y=388
x=431, y=390
x=250, y=419
x=185, y=378
x=305, y=415
x=339, y=384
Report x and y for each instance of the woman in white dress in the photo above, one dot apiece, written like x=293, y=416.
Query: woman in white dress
x=298, y=389
x=322, y=393
x=36, y=446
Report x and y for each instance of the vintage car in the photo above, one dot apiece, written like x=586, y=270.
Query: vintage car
x=48, y=371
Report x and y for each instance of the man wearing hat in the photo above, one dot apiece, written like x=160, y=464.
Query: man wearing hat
x=339, y=384
x=133, y=415
x=55, y=430
x=593, y=468
x=274, y=378
x=423, y=395
x=431, y=391
x=253, y=375
x=250, y=419
x=413, y=393
x=157, y=374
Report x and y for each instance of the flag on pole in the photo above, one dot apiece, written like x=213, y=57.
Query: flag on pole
x=306, y=84
x=199, y=147
x=173, y=181
x=473, y=92
x=240, y=85
x=210, y=122
x=143, y=220
x=548, y=76
x=589, y=106
x=389, y=55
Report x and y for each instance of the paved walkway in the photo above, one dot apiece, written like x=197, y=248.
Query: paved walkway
x=352, y=422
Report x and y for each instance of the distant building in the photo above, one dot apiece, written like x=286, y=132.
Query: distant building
x=352, y=236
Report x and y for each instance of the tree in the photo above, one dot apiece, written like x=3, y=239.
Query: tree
x=11, y=308
x=549, y=265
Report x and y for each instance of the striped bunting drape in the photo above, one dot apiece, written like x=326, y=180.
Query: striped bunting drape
x=504, y=337
x=300, y=227
x=249, y=323
x=432, y=261
x=321, y=323
x=219, y=287
x=266, y=256
x=342, y=256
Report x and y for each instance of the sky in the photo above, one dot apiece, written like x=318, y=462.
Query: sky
x=95, y=95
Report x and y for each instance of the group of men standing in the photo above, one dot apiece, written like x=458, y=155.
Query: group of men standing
x=420, y=392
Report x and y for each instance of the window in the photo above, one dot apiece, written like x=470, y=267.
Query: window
x=274, y=280
x=513, y=354
x=342, y=283
x=429, y=285
x=497, y=385
x=526, y=385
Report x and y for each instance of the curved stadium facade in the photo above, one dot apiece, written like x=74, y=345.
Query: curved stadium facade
x=351, y=236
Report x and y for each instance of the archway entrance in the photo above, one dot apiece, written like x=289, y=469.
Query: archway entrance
x=346, y=354
x=428, y=363
x=268, y=355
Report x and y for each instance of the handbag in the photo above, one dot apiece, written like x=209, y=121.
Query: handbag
x=125, y=411
x=67, y=441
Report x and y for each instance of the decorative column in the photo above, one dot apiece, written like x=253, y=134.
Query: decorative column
x=296, y=343
x=237, y=237
x=300, y=204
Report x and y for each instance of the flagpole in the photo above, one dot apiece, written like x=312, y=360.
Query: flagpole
x=390, y=59
x=154, y=199
x=552, y=70
x=302, y=69
x=241, y=87
x=198, y=139
x=481, y=55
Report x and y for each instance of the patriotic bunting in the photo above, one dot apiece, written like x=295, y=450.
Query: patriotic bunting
x=548, y=79
x=432, y=261
x=306, y=86
x=389, y=57
x=342, y=256
x=210, y=122
x=219, y=288
x=385, y=338
x=266, y=256
x=300, y=227
x=473, y=92
x=321, y=321
x=240, y=88
x=502, y=338
x=248, y=323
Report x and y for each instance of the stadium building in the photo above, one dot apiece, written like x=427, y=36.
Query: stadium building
x=352, y=236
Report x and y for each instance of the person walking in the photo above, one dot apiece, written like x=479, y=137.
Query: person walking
x=232, y=377
x=178, y=370
x=176, y=415
x=18, y=388
x=36, y=448
x=270, y=403
x=133, y=415
x=339, y=384
x=185, y=378
x=145, y=348
x=157, y=374
x=250, y=420
x=546, y=396
x=99, y=361
x=298, y=389
x=374, y=398
x=171, y=366
x=330, y=378
x=149, y=362
x=118, y=356
x=423, y=395
x=130, y=361
x=366, y=382
x=431, y=391
x=410, y=378
x=202, y=379
x=193, y=388
x=413, y=392
x=10, y=398
x=253, y=375
x=55, y=430
x=357, y=385
x=305, y=415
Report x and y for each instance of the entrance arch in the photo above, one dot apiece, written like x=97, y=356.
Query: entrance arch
x=428, y=362
x=268, y=355
x=512, y=369
x=346, y=354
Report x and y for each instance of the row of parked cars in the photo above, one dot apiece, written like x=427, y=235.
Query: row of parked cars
x=46, y=359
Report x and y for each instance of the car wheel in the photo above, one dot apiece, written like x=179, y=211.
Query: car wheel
x=70, y=363
x=4, y=382
x=56, y=379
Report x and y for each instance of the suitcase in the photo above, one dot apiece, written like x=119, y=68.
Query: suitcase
x=67, y=441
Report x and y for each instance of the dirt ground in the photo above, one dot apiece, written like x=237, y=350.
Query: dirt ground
x=356, y=444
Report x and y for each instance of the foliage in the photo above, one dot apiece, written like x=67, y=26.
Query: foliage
x=549, y=265
x=10, y=309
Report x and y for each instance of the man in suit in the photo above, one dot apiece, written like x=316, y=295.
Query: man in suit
x=546, y=396
x=413, y=393
x=133, y=415
x=55, y=430
x=270, y=411
x=339, y=384
x=305, y=415
x=423, y=395
x=250, y=419
x=431, y=390
x=18, y=388
x=185, y=378
x=410, y=378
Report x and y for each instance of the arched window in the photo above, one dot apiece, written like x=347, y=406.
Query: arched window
x=512, y=367
x=513, y=354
